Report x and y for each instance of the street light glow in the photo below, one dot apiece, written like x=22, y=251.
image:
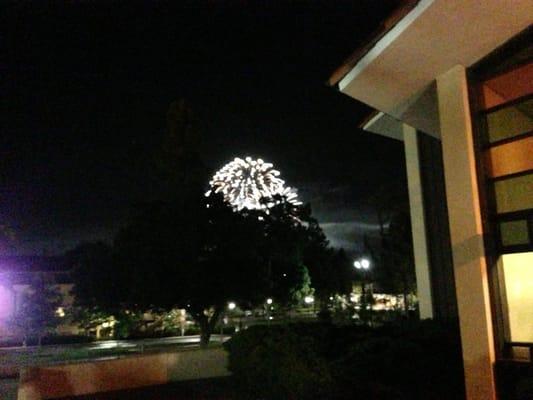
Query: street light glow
x=309, y=299
x=364, y=263
x=269, y=301
x=231, y=305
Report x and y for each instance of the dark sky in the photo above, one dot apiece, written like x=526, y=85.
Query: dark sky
x=86, y=86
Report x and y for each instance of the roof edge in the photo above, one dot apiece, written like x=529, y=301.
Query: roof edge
x=369, y=119
x=386, y=25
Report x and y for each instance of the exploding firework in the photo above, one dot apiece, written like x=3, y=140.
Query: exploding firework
x=248, y=183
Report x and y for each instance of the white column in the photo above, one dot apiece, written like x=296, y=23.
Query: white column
x=418, y=222
x=470, y=269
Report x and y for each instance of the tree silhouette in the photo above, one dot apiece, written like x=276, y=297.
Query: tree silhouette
x=36, y=312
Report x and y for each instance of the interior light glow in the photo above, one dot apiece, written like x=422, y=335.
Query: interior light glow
x=6, y=302
x=518, y=276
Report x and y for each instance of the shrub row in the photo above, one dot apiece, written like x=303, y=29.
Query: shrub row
x=319, y=361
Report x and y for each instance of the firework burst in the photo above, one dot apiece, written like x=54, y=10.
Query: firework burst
x=248, y=183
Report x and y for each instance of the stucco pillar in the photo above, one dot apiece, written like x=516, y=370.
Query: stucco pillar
x=418, y=222
x=470, y=269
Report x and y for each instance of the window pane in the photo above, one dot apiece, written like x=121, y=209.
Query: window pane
x=511, y=158
x=514, y=232
x=514, y=194
x=518, y=276
x=508, y=86
x=510, y=121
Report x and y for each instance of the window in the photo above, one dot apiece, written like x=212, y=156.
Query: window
x=514, y=194
x=503, y=122
x=510, y=121
x=518, y=278
x=505, y=130
x=514, y=232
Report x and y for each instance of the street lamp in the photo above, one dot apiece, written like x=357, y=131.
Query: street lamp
x=363, y=265
x=231, y=305
x=268, y=307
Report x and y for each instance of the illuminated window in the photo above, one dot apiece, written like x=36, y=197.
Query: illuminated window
x=518, y=278
x=510, y=158
x=507, y=87
x=502, y=104
x=505, y=133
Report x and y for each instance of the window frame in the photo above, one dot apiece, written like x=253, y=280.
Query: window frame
x=495, y=64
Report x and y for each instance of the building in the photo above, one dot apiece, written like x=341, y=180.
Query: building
x=16, y=276
x=454, y=81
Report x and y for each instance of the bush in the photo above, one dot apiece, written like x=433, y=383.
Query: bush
x=277, y=363
x=319, y=361
x=409, y=361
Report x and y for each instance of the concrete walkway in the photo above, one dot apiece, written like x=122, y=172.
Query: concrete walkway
x=13, y=358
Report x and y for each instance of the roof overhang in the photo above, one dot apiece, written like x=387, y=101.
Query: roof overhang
x=396, y=75
x=384, y=125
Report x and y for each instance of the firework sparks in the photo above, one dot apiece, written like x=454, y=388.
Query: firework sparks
x=245, y=183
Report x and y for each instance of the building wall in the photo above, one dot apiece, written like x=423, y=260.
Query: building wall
x=12, y=296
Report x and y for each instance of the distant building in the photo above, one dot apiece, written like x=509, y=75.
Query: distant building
x=453, y=80
x=16, y=274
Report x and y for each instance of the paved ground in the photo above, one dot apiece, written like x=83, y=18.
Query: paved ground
x=59, y=354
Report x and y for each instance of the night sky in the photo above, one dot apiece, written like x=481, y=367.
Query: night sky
x=86, y=86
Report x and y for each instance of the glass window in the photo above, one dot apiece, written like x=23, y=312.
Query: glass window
x=514, y=232
x=514, y=194
x=508, y=86
x=510, y=121
x=518, y=277
x=510, y=158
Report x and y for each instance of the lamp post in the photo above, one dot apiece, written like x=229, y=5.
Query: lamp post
x=225, y=319
x=268, y=307
x=363, y=265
